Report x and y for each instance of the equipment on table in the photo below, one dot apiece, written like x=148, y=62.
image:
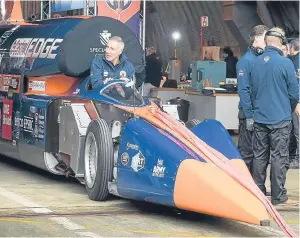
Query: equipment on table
x=209, y=73
x=182, y=108
x=173, y=69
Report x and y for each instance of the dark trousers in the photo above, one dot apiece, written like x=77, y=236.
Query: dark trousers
x=271, y=142
x=245, y=144
x=294, y=143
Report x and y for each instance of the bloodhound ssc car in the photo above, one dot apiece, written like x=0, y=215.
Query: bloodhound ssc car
x=111, y=138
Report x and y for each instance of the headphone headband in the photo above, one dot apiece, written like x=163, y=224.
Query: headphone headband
x=257, y=50
x=282, y=38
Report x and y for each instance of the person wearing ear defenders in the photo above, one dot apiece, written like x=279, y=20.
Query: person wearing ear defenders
x=257, y=45
x=275, y=95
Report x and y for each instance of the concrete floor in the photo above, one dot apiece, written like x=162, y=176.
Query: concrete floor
x=34, y=203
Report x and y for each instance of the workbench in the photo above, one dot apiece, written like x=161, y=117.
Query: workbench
x=220, y=106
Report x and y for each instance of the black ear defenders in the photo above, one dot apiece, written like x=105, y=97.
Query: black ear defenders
x=283, y=39
x=257, y=50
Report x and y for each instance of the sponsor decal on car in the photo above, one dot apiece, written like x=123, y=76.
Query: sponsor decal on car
x=138, y=162
x=33, y=124
x=7, y=81
x=27, y=123
x=104, y=37
x=132, y=146
x=6, y=119
x=35, y=48
x=39, y=123
x=159, y=169
x=125, y=158
x=37, y=86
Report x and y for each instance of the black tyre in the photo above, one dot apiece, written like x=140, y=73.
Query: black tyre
x=194, y=122
x=98, y=160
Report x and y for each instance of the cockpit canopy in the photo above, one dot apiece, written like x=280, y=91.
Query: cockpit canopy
x=123, y=92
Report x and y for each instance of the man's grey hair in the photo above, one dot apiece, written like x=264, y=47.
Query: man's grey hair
x=119, y=40
x=295, y=44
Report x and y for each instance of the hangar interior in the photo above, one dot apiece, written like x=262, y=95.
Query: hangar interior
x=199, y=60
x=229, y=23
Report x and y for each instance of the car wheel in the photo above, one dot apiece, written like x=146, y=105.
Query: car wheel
x=98, y=160
x=192, y=123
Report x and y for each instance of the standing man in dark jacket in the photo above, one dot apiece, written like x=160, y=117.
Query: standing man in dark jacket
x=231, y=62
x=153, y=71
x=245, y=106
x=294, y=156
x=275, y=96
x=113, y=65
x=294, y=55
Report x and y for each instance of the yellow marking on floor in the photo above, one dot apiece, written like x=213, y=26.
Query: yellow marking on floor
x=18, y=220
x=161, y=233
x=153, y=232
x=292, y=221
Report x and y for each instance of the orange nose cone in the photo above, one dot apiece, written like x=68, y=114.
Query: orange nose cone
x=204, y=188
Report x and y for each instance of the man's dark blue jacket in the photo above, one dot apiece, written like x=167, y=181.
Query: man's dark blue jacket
x=102, y=69
x=295, y=60
x=274, y=88
x=242, y=69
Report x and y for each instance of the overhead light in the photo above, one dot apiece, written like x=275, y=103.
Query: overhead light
x=176, y=35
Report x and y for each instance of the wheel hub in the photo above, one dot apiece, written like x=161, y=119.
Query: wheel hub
x=90, y=159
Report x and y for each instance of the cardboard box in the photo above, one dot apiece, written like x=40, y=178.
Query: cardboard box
x=211, y=53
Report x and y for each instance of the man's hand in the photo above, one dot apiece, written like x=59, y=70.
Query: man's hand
x=125, y=79
x=249, y=124
x=297, y=109
x=107, y=80
x=163, y=80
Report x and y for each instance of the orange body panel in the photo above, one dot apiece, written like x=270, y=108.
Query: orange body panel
x=54, y=84
x=204, y=188
x=239, y=163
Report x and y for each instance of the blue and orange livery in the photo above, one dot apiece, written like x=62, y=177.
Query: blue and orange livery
x=111, y=138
